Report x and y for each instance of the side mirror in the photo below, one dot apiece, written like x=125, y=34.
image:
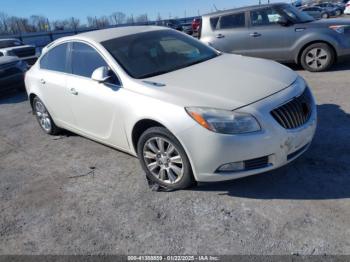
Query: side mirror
x=101, y=74
x=282, y=21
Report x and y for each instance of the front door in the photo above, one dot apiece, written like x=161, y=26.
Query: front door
x=267, y=38
x=94, y=105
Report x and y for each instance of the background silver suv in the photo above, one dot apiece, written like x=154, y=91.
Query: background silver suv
x=279, y=32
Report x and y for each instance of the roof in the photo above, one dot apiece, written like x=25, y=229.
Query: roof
x=242, y=9
x=107, y=34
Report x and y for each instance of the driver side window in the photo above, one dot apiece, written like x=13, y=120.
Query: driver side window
x=85, y=60
x=264, y=17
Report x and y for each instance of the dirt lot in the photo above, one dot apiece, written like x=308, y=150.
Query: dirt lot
x=52, y=202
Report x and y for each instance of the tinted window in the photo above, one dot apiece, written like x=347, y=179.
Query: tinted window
x=232, y=21
x=154, y=53
x=214, y=22
x=262, y=17
x=55, y=59
x=85, y=60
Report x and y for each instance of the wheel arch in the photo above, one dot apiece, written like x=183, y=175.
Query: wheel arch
x=31, y=99
x=141, y=126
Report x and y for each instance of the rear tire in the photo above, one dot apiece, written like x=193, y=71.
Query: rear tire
x=317, y=57
x=164, y=160
x=44, y=118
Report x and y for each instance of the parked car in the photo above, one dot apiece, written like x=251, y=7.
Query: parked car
x=280, y=32
x=189, y=112
x=14, y=47
x=196, y=23
x=347, y=9
x=174, y=24
x=186, y=28
x=12, y=72
x=316, y=12
x=333, y=9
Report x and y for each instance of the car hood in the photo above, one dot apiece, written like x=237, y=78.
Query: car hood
x=227, y=81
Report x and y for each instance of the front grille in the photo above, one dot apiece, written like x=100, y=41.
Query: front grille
x=296, y=112
x=256, y=163
x=24, y=52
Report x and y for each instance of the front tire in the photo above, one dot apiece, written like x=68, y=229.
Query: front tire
x=317, y=57
x=325, y=16
x=164, y=160
x=44, y=119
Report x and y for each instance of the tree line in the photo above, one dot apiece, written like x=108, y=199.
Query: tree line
x=39, y=23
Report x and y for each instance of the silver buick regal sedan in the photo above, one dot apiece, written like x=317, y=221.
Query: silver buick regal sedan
x=187, y=111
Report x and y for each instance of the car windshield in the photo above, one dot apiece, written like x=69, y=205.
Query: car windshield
x=154, y=53
x=9, y=43
x=295, y=15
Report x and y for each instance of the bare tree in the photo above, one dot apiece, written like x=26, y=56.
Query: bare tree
x=39, y=22
x=143, y=18
x=159, y=18
x=102, y=22
x=130, y=20
x=118, y=18
x=92, y=21
x=60, y=24
x=3, y=23
x=73, y=23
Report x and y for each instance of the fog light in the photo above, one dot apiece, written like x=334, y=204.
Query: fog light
x=232, y=167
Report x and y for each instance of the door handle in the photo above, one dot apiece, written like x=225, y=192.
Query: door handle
x=73, y=91
x=42, y=81
x=220, y=36
x=255, y=34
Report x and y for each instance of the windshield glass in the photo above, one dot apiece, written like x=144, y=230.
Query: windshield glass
x=153, y=53
x=295, y=15
x=9, y=43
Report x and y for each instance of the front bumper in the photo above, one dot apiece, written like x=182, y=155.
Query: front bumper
x=208, y=151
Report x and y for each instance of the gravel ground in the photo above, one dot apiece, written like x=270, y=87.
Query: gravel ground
x=70, y=195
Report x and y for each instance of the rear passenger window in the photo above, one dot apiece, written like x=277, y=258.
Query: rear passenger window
x=55, y=59
x=85, y=60
x=232, y=21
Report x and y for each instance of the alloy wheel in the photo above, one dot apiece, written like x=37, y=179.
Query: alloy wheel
x=43, y=116
x=317, y=58
x=163, y=160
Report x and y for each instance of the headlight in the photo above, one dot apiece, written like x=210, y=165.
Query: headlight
x=224, y=121
x=340, y=28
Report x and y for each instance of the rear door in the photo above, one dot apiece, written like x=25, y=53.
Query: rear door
x=52, y=79
x=267, y=38
x=230, y=33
